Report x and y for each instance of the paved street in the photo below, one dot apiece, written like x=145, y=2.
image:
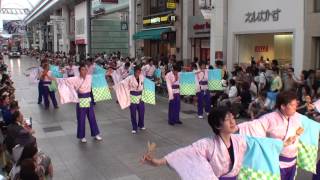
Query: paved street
x=117, y=156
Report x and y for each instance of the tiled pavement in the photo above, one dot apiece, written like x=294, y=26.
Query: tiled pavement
x=117, y=156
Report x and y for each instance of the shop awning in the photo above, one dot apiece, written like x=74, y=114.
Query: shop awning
x=154, y=34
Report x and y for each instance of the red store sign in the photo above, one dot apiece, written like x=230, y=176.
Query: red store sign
x=261, y=48
x=201, y=26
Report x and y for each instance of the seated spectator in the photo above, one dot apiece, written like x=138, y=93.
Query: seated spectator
x=43, y=165
x=28, y=170
x=246, y=98
x=5, y=105
x=257, y=107
x=232, y=99
x=8, y=116
x=253, y=89
x=26, y=149
x=17, y=128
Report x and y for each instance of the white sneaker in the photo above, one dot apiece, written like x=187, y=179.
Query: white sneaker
x=83, y=140
x=133, y=131
x=98, y=138
x=200, y=117
x=143, y=128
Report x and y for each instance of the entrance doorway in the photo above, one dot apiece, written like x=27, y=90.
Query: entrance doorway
x=317, y=51
x=82, y=51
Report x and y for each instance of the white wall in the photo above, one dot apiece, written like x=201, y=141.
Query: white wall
x=186, y=42
x=283, y=47
x=217, y=29
x=291, y=19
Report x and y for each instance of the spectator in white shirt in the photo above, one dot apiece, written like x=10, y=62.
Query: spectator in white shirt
x=232, y=91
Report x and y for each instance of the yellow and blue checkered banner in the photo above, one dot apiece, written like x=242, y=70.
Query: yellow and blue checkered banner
x=53, y=87
x=149, y=92
x=215, y=80
x=261, y=160
x=99, y=70
x=131, y=71
x=157, y=73
x=100, y=88
x=188, y=83
x=135, y=99
x=308, y=145
x=84, y=102
x=55, y=71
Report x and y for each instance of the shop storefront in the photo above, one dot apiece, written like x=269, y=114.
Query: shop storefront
x=269, y=29
x=158, y=35
x=199, y=34
x=165, y=45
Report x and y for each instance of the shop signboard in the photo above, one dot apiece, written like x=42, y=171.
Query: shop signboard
x=102, y=6
x=155, y=20
x=171, y=4
x=261, y=48
x=198, y=27
x=263, y=16
x=158, y=20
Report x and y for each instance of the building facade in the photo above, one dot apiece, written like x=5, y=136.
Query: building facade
x=158, y=29
x=109, y=27
x=231, y=30
x=269, y=29
x=167, y=27
x=80, y=26
x=52, y=24
x=312, y=35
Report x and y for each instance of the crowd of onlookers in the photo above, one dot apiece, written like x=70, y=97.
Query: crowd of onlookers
x=252, y=89
x=20, y=158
